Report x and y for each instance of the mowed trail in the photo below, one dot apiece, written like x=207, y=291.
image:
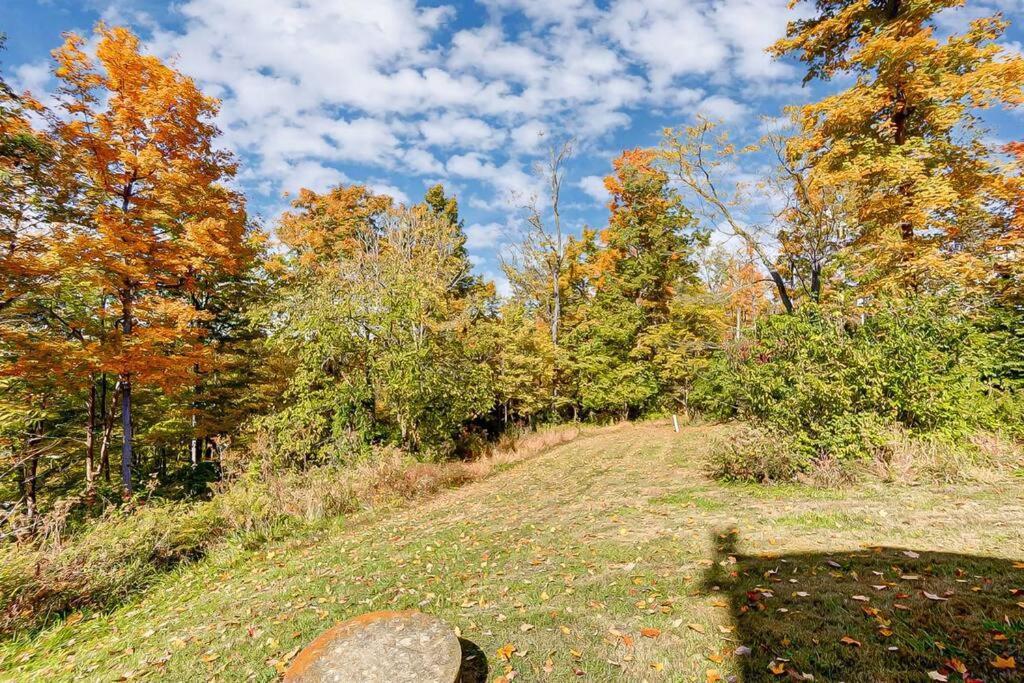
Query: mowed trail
x=597, y=560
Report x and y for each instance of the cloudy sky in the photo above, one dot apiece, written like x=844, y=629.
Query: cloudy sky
x=400, y=94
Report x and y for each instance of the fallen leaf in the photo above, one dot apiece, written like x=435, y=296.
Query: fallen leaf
x=505, y=651
x=777, y=668
x=1004, y=663
x=650, y=632
x=936, y=676
x=933, y=596
x=713, y=676
x=957, y=666
x=699, y=628
x=847, y=640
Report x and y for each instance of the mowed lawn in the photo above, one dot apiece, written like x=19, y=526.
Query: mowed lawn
x=609, y=558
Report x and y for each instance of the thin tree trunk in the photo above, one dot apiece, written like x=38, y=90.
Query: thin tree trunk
x=90, y=433
x=31, y=471
x=107, y=421
x=193, y=447
x=108, y=436
x=126, y=404
x=126, y=428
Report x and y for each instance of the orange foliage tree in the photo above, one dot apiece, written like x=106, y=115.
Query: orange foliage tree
x=135, y=141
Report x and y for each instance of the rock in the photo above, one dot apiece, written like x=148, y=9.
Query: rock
x=381, y=647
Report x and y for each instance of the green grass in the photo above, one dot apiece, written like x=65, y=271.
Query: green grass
x=568, y=556
x=831, y=519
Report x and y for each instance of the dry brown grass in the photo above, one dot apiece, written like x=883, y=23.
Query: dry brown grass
x=906, y=457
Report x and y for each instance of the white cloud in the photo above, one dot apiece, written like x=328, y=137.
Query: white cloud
x=722, y=108
x=422, y=162
x=483, y=236
x=672, y=38
x=461, y=132
x=530, y=136
x=751, y=26
x=593, y=185
x=395, y=193
x=309, y=175
x=508, y=179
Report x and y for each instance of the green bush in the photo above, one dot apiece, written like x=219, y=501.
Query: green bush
x=837, y=385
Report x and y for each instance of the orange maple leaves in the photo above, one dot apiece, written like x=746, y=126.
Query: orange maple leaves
x=155, y=217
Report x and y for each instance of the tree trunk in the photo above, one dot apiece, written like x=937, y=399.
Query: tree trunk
x=90, y=433
x=107, y=421
x=816, y=283
x=780, y=285
x=126, y=428
x=126, y=404
x=194, y=446
x=31, y=471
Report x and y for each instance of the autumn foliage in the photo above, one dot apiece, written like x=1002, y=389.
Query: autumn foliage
x=849, y=281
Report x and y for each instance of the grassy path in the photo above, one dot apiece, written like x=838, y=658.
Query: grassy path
x=609, y=558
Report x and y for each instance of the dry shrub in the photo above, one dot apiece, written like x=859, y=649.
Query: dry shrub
x=827, y=473
x=756, y=455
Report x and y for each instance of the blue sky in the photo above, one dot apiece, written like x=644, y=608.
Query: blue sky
x=400, y=94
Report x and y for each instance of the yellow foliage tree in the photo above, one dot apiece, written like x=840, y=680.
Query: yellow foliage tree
x=907, y=134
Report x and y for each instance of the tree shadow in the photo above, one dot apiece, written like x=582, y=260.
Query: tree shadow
x=879, y=614
x=474, y=663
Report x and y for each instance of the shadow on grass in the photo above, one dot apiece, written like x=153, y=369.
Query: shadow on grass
x=474, y=663
x=880, y=614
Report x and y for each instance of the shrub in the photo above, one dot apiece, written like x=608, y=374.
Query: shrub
x=836, y=386
x=758, y=456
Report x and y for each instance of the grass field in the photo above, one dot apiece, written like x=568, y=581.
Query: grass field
x=609, y=558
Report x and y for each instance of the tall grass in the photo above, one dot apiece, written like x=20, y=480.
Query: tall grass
x=124, y=551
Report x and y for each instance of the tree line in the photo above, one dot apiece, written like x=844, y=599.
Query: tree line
x=144, y=313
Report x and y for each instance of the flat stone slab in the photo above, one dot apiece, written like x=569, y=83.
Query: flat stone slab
x=381, y=647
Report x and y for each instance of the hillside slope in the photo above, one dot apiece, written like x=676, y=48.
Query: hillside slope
x=610, y=558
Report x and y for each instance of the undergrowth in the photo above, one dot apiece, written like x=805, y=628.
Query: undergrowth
x=100, y=563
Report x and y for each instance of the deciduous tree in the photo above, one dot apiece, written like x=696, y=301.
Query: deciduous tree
x=136, y=142
x=907, y=133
